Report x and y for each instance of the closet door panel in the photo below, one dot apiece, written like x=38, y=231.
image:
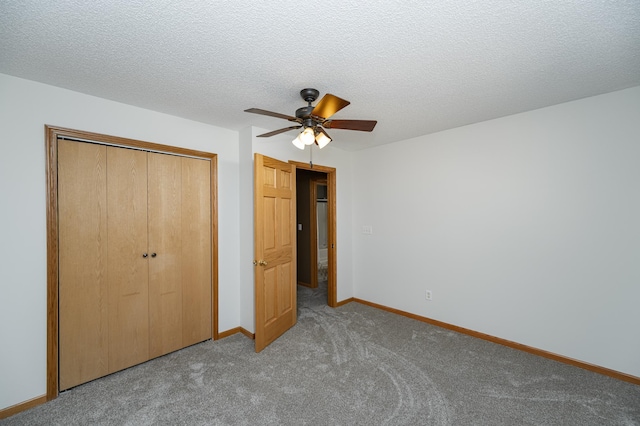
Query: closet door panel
x=82, y=213
x=165, y=281
x=196, y=250
x=128, y=269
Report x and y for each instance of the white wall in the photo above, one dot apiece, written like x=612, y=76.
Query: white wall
x=281, y=148
x=25, y=107
x=525, y=228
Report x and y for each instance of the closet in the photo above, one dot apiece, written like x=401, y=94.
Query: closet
x=134, y=255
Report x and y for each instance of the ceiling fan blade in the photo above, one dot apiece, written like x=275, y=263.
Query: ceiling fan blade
x=362, y=125
x=328, y=106
x=270, y=113
x=277, y=132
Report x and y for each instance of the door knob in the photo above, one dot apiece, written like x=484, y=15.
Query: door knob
x=260, y=262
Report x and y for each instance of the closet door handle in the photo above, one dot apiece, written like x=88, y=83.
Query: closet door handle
x=144, y=255
x=153, y=255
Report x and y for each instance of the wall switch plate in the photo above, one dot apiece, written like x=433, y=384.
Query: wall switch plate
x=367, y=229
x=299, y=227
x=429, y=296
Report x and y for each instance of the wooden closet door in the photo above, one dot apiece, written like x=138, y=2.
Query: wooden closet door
x=127, y=265
x=196, y=250
x=165, y=249
x=82, y=212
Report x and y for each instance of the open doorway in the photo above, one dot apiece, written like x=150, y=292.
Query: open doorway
x=316, y=230
x=311, y=212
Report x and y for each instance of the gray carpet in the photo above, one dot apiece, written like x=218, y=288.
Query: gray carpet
x=354, y=365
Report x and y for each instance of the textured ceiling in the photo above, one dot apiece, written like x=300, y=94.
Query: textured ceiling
x=416, y=66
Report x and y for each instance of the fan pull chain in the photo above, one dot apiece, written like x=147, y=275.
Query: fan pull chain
x=311, y=156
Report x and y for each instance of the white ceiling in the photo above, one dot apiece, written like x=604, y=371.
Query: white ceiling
x=417, y=66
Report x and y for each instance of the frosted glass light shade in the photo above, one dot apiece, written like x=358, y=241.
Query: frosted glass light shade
x=297, y=142
x=322, y=140
x=307, y=137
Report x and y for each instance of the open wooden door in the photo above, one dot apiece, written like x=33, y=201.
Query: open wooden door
x=275, y=248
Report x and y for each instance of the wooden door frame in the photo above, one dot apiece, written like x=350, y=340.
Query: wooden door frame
x=52, y=133
x=332, y=245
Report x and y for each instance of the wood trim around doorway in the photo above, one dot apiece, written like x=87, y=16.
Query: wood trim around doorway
x=332, y=276
x=52, y=134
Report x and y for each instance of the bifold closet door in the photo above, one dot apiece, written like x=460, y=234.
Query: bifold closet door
x=134, y=257
x=179, y=203
x=196, y=250
x=82, y=254
x=165, y=253
x=128, y=257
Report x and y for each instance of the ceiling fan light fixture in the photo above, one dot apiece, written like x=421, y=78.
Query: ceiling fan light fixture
x=297, y=142
x=322, y=140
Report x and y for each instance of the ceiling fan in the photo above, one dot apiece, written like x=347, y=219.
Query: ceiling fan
x=313, y=120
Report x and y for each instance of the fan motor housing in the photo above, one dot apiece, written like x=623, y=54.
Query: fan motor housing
x=304, y=112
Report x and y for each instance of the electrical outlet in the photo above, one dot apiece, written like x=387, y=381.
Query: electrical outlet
x=429, y=295
x=367, y=229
